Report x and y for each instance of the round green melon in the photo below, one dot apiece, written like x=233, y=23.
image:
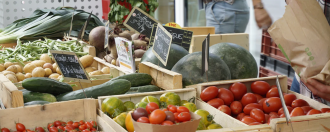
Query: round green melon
x=175, y=54
x=190, y=67
x=240, y=61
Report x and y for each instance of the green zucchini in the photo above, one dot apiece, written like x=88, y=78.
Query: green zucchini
x=29, y=96
x=146, y=88
x=112, y=87
x=136, y=79
x=36, y=103
x=46, y=85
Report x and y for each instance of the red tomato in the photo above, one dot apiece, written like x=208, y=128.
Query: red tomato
x=5, y=130
x=236, y=107
x=68, y=128
x=94, y=124
x=39, y=129
x=157, y=117
x=182, y=109
x=225, y=109
x=258, y=115
x=306, y=109
x=81, y=122
x=70, y=122
x=50, y=125
x=273, y=114
x=281, y=111
x=143, y=120
x=261, y=101
x=272, y=104
x=164, y=109
x=89, y=125
x=270, y=118
x=288, y=98
x=226, y=95
x=273, y=92
x=313, y=111
x=53, y=129
x=298, y=111
x=57, y=123
x=328, y=111
x=151, y=107
x=86, y=130
x=173, y=109
x=282, y=116
x=168, y=106
x=240, y=116
x=266, y=117
x=60, y=128
x=238, y=89
x=75, y=125
x=259, y=97
x=82, y=127
x=216, y=102
x=299, y=103
x=167, y=123
x=209, y=93
x=93, y=130
x=20, y=127
x=323, y=110
x=248, y=120
x=260, y=87
x=254, y=123
x=249, y=98
x=176, y=117
x=184, y=116
x=247, y=109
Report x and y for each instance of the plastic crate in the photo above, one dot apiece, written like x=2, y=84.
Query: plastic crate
x=264, y=72
x=277, y=66
x=270, y=48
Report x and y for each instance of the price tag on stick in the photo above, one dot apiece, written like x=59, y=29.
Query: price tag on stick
x=205, y=55
x=70, y=66
x=140, y=21
x=162, y=44
x=106, y=35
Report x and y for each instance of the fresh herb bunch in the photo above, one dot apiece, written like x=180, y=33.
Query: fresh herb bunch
x=119, y=9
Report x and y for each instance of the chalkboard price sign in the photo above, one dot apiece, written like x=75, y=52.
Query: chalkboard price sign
x=140, y=21
x=162, y=43
x=179, y=36
x=70, y=66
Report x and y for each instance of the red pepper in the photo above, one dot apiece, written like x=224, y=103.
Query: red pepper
x=125, y=18
x=130, y=7
x=146, y=1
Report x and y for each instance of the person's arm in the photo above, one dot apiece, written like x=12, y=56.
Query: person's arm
x=261, y=15
x=318, y=89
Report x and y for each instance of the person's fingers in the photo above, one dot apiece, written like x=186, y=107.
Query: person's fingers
x=318, y=89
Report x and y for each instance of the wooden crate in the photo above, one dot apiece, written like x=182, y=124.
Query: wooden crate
x=302, y=123
x=41, y=115
x=241, y=39
x=9, y=94
x=9, y=45
x=185, y=94
x=200, y=30
x=162, y=77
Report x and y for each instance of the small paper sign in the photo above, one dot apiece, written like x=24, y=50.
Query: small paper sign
x=285, y=109
x=140, y=21
x=179, y=36
x=162, y=44
x=70, y=66
x=106, y=34
x=125, y=52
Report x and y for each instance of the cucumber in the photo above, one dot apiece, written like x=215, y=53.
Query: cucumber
x=46, y=85
x=136, y=79
x=146, y=88
x=112, y=87
x=29, y=96
x=36, y=103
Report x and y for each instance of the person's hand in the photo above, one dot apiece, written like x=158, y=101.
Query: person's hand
x=262, y=18
x=318, y=88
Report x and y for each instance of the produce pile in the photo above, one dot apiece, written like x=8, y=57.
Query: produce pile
x=258, y=107
x=59, y=126
x=169, y=109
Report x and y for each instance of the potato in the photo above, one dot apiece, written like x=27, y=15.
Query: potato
x=46, y=58
x=126, y=35
x=48, y=71
x=135, y=36
x=2, y=68
x=20, y=76
x=113, y=62
x=28, y=68
x=54, y=67
x=48, y=65
x=58, y=71
x=90, y=69
x=105, y=70
x=19, y=68
x=94, y=73
x=7, y=64
x=139, y=44
x=12, y=78
x=38, y=72
x=38, y=63
x=8, y=72
x=28, y=75
x=60, y=77
x=139, y=53
x=86, y=60
x=54, y=76
x=12, y=68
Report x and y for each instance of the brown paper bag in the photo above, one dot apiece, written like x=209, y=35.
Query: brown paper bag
x=189, y=126
x=303, y=36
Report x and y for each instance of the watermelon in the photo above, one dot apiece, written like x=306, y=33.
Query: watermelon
x=240, y=61
x=175, y=54
x=190, y=67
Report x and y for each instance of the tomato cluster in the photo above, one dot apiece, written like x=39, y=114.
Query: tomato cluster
x=258, y=107
x=166, y=116
x=59, y=126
